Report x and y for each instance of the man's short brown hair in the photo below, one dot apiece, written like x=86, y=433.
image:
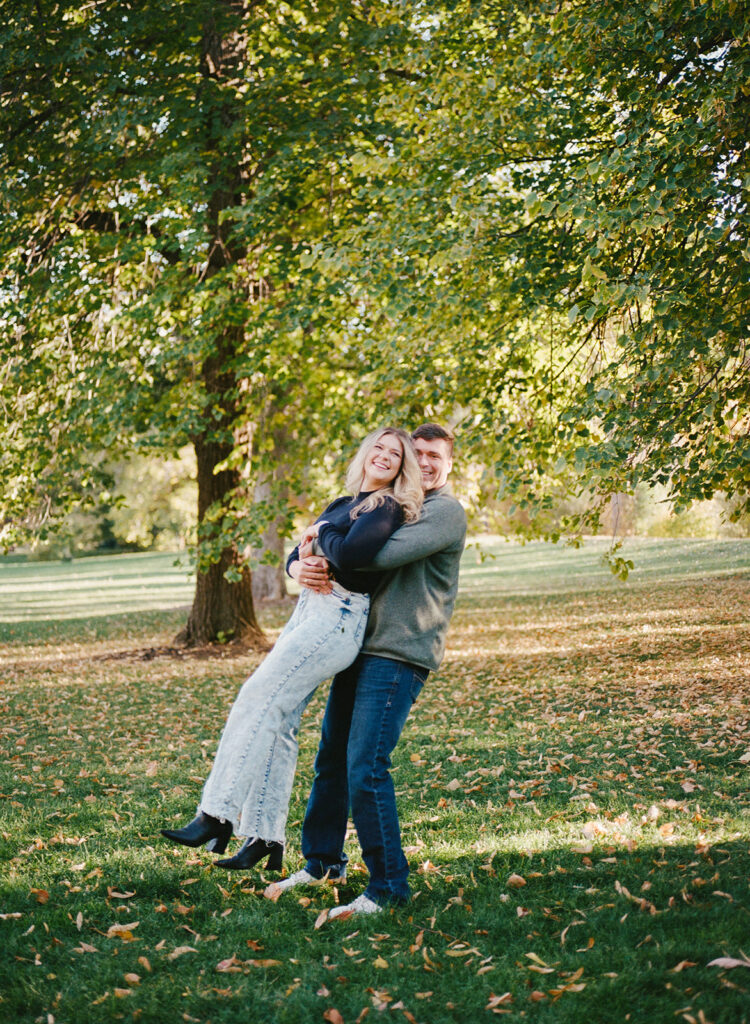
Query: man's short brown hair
x=433, y=432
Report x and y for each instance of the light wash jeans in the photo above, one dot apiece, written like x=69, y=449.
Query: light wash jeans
x=251, y=780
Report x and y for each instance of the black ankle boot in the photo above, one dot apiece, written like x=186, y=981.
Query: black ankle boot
x=251, y=852
x=202, y=829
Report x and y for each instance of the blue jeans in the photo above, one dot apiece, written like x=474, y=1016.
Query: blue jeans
x=366, y=711
x=251, y=779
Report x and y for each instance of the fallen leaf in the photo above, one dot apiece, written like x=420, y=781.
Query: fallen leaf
x=272, y=891
x=682, y=965
x=321, y=919
x=230, y=966
x=502, y=1000
x=41, y=895
x=333, y=1016
x=517, y=881
x=380, y=962
x=133, y=979
x=537, y=996
x=729, y=962
x=582, y=847
x=122, y=929
x=536, y=959
x=180, y=951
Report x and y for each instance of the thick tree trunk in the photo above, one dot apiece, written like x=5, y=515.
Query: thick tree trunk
x=222, y=610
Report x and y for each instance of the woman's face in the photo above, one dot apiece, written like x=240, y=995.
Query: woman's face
x=383, y=462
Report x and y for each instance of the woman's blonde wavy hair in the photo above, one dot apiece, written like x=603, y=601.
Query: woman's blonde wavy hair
x=406, y=488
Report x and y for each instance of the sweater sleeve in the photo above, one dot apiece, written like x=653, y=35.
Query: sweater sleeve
x=294, y=555
x=441, y=525
x=356, y=546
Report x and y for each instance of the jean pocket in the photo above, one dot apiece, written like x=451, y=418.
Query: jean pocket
x=359, y=631
x=417, y=682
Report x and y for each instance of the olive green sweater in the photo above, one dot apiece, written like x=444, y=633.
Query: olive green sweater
x=411, y=608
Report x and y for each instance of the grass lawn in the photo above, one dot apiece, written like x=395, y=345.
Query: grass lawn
x=573, y=785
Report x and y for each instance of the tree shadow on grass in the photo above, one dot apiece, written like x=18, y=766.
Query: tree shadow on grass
x=93, y=627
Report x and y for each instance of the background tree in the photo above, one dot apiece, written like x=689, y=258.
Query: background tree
x=567, y=225
x=160, y=168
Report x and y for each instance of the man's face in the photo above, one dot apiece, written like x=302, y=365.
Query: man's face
x=434, y=458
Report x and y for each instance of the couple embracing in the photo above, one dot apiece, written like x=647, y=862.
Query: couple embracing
x=379, y=576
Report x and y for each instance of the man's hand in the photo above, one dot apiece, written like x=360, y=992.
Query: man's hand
x=312, y=572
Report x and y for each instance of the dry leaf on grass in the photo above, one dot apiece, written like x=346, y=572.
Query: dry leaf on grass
x=502, y=1000
x=180, y=951
x=729, y=962
x=229, y=966
x=582, y=846
x=273, y=891
x=125, y=931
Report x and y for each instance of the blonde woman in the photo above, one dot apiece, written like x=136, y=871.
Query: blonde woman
x=250, y=784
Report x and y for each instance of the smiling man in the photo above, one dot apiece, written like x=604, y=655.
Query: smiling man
x=369, y=702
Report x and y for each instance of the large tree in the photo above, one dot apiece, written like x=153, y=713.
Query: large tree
x=161, y=165
x=563, y=234
x=253, y=226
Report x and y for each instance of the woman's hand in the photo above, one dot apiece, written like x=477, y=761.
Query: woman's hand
x=312, y=572
x=309, y=535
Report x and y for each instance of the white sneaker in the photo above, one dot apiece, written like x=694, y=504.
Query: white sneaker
x=362, y=905
x=297, y=880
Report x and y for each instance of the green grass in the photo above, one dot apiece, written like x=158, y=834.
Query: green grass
x=584, y=735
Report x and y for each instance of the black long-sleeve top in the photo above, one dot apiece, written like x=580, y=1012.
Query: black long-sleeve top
x=350, y=544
